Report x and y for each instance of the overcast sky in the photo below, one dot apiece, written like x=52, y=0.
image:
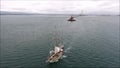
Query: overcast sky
x=61, y=6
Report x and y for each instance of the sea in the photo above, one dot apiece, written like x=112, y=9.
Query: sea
x=90, y=41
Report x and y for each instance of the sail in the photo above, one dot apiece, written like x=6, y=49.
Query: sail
x=51, y=52
x=57, y=49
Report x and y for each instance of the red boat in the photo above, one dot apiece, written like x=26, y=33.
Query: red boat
x=71, y=19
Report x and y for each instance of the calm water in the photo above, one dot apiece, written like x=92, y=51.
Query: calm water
x=91, y=41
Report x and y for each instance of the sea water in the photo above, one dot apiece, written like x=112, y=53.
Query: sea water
x=90, y=41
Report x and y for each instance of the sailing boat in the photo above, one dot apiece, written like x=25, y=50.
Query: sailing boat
x=56, y=53
x=81, y=14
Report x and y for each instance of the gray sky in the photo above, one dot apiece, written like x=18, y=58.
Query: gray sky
x=61, y=6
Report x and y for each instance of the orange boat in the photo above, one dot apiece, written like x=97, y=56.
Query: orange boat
x=71, y=19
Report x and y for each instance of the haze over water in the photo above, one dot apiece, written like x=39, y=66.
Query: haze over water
x=90, y=41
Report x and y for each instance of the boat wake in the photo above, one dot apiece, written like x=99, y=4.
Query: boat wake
x=64, y=56
x=68, y=49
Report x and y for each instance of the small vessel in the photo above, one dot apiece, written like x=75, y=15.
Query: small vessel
x=71, y=19
x=56, y=54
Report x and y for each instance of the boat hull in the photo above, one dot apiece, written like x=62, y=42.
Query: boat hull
x=71, y=20
x=55, y=57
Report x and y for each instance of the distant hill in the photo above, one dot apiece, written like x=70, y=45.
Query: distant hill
x=23, y=13
x=14, y=13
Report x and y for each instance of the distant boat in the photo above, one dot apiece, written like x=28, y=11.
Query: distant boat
x=82, y=13
x=71, y=19
x=56, y=54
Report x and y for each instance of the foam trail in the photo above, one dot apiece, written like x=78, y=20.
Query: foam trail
x=64, y=56
x=68, y=49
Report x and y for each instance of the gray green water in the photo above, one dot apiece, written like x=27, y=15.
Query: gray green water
x=91, y=41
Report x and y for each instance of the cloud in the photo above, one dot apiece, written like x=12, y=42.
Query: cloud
x=51, y=6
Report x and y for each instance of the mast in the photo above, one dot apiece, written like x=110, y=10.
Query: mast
x=54, y=38
x=60, y=40
x=81, y=14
